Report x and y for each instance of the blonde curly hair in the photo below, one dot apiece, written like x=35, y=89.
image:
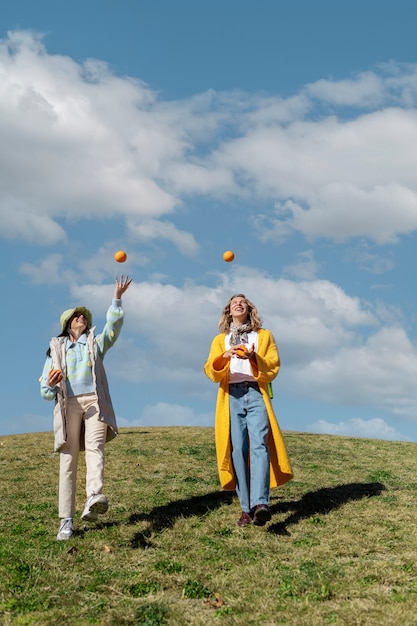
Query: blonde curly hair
x=254, y=318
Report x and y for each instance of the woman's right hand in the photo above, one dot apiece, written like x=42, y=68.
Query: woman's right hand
x=54, y=377
x=232, y=351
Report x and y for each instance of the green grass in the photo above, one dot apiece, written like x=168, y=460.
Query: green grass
x=341, y=547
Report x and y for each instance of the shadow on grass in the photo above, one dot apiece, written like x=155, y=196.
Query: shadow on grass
x=162, y=517
x=321, y=502
x=137, y=434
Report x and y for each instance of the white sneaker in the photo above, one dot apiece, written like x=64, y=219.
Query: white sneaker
x=66, y=529
x=96, y=505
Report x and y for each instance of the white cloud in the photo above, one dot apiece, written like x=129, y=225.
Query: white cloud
x=371, y=259
x=305, y=268
x=318, y=327
x=47, y=272
x=26, y=424
x=375, y=428
x=334, y=179
x=366, y=89
x=164, y=414
x=80, y=142
x=380, y=371
x=344, y=211
x=396, y=84
x=148, y=229
x=320, y=330
x=68, y=132
x=29, y=223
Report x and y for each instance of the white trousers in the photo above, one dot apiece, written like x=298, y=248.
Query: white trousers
x=81, y=409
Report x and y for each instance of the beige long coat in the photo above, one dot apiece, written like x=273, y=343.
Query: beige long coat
x=106, y=411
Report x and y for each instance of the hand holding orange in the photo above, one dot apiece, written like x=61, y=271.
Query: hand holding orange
x=241, y=351
x=54, y=377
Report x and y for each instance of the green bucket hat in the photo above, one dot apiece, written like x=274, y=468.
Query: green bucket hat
x=66, y=316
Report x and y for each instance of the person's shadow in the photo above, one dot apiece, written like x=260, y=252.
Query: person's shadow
x=321, y=502
x=162, y=517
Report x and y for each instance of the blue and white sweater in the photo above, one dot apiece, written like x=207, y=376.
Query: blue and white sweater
x=81, y=364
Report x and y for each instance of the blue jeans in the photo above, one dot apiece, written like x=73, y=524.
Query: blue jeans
x=249, y=427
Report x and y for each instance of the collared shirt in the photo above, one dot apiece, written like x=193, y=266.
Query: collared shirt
x=79, y=372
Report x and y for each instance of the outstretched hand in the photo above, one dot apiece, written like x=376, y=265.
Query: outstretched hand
x=122, y=285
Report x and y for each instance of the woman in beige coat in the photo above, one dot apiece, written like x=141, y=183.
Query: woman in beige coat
x=74, y=377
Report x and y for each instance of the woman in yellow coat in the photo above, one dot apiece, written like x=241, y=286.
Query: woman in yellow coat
x=251, y=453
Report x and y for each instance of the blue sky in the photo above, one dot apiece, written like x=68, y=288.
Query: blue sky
x=285, y=132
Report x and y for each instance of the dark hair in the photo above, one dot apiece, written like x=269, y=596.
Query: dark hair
x=64, y=334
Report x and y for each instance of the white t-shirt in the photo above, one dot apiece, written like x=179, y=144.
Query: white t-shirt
x=240, y=369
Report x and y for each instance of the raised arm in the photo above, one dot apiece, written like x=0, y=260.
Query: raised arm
x=122, y=284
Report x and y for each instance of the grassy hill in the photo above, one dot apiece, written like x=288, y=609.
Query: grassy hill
x=341, y=547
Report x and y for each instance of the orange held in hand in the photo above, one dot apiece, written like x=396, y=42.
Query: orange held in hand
x=228, y=256
x=241, y=350
x=120, y=256
x=58, y=375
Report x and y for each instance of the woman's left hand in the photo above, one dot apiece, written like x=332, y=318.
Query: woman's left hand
x=121, y=285
x=249, y=354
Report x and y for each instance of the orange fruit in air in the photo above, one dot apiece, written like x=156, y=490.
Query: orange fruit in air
x=228, y=256
x=120, y=256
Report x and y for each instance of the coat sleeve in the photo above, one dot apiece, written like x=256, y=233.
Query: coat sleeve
x=211, y=366
x=267, y=358
x=222, y=418
x=47, y=392
x=114, y=322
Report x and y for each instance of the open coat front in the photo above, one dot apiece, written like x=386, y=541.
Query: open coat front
x=268, y=366
x=106, y=411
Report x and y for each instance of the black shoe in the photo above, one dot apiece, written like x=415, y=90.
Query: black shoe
x=261, y=514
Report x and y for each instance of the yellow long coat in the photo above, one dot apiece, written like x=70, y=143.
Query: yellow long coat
x=268, y=365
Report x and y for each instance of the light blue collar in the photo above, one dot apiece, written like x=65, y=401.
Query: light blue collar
x=81, y=339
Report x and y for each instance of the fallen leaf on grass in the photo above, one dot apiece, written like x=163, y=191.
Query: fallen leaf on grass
x=72, y=550
x=107, y=549
x=214, y=603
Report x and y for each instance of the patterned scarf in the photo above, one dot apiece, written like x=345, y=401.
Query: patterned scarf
x=239, y=333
